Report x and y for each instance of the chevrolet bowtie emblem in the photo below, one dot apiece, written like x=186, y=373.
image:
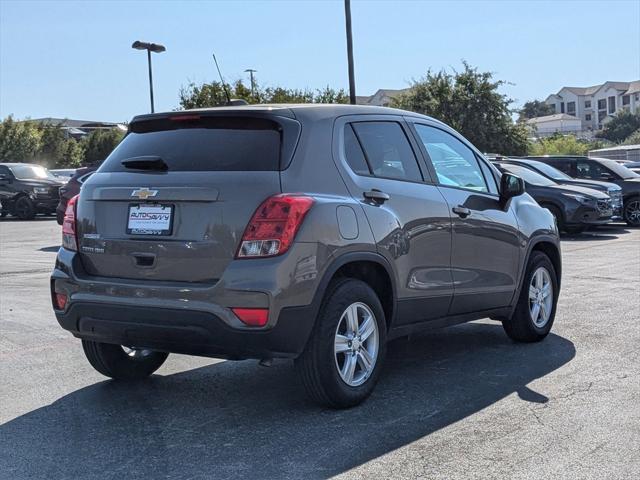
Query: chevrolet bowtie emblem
x=144, y=193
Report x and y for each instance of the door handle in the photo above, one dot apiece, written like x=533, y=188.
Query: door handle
x=462, y=212
x=376, y=196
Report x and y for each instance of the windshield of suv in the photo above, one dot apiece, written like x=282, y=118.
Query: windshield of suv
x=31, y=172
x=528, y=175
x=618, y=169
x=548, y=170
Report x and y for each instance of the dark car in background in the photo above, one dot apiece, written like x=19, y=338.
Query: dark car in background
x=575, y=208
x=71, y=189
x=310, y=232
x=605, y=170
x=614, y=191
x=27, y=189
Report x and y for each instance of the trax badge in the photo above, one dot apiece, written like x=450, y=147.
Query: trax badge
x=144, y=193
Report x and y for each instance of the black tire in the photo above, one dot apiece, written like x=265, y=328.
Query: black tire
x=631, y=211
x=521, y=327
x=112, y=361
x=24, y=209
x=317, y=366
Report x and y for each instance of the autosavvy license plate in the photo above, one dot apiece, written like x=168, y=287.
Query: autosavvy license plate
x=152, y=219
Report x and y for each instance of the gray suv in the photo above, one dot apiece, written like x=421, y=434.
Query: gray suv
x=312, y=232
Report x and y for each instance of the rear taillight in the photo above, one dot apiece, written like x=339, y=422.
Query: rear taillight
x=273, y=226
x=69, y=239
x=254, y=317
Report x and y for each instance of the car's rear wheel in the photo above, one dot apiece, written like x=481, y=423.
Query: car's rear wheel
x=341, y=363
x=122, y=363
x=632, y=211
x=536, y=309
x=24, y=208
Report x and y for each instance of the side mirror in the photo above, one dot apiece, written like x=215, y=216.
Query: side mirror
x=4, y=179
x=510, y=186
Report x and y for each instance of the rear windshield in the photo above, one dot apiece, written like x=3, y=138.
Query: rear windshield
x=201, y=144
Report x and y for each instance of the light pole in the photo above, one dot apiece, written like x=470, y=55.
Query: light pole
x=253, y=84
x=352, y=80
x=149, y=47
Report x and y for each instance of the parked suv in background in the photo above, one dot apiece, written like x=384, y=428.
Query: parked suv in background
x=607, y=170
x=311, y=232
x=27, y=189
x=561, y=178
x=574, y=208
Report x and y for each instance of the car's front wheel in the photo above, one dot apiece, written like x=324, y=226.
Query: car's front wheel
x=122, y=363
x=341, y=363
x=536, y=309
x=24, y=208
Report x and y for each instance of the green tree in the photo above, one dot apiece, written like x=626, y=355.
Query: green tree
x=468, y=101
x=633, y=139
x=620, y=126
x=534, y=108
x=213, y=94
x=99, y=144
x=562, y=145
x=58, y=150
x=19, y=141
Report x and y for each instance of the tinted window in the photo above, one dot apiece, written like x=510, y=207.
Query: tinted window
x=387, y=150
x=591, y=170
x=618, y=169
x=229, y=144
x=565, y=166
x=528, y=175
x=549, y=171
x=353, y=152
x=455, y=164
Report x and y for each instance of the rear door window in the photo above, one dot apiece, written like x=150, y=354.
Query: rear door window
x=204, y=144
x=387, y=150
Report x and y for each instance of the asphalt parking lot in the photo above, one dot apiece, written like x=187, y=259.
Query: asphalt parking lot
x=464, y=402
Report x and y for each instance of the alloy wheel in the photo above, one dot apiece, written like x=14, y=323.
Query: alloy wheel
x=136, y=353
x=632, y=212
x=356, y=344
x=540, y=297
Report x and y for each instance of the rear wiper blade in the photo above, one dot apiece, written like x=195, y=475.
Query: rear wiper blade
x=148, y=162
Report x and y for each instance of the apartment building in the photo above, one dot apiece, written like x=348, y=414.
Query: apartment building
x=595, y=106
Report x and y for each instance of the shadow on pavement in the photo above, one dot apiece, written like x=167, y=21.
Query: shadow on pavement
x=53, y=248
x=37, y=218
x=239, y=420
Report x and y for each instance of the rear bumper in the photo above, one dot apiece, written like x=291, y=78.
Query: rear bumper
x=186, y=331
x=193, y=318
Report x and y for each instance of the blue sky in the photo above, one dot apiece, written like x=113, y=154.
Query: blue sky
x=74, y=59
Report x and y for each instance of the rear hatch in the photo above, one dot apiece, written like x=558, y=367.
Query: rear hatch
x=173, y=199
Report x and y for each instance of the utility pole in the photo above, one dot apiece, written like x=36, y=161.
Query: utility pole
x=352, y=80
x=253, y=83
